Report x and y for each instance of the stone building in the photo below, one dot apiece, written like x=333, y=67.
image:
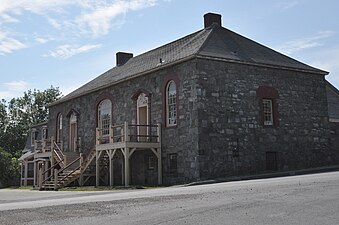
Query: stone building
x=211, y=104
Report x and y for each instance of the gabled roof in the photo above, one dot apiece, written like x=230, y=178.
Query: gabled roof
x=214, y=42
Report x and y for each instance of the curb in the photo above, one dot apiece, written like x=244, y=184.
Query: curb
x=267, y=175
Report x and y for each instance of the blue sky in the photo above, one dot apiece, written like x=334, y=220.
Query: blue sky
x=67, y=43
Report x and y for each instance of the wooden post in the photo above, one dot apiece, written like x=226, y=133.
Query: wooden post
x=52, y=145
x=159, y=155
x=159, y=133
x=159, y=167
x=43, y=146
x=35, y=174
x=97, y=169
x=56, y=178
x=65, y=160
x=52, y=151
x=26, y=168
x=111, y=135
x=21, y=167
x=97, y=136
x=126, y=130
x=127, y=167
x=40, y=178
x=81, y=178
x=35, y=146
x=110, y=157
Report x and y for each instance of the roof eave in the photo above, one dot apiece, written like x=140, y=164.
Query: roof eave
x=316, y=71
x=160, y=67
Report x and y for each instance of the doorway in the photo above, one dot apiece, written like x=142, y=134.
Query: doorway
x=73, y=134
x=142, y=117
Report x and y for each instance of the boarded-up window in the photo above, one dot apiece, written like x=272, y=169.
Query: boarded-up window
x=172, y=163
x=271, y=161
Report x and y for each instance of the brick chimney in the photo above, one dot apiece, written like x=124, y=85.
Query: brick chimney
x=123, y=57
x=211, y=18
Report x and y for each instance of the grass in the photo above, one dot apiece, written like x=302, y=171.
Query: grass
x=91, y=188
x=20, y=188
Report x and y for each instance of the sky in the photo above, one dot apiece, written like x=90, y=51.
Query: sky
x=67, y=43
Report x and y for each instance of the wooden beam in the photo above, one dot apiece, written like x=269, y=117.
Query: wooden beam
x=26, y=172
x=35, y=174
x=159, y=167
x=97, y=169
x=111, y=174
x=127, y=167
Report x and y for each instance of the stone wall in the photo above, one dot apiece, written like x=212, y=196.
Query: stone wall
x=231, y=139
x=219, y=131
x=181, y=139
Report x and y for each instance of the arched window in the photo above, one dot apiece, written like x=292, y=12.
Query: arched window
x=171, y=104
x=104, y=116
x=59, y=128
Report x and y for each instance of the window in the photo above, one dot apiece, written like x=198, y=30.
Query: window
x=59, y=128
x=44, y=132
x=172, y=163
x=104, y=117
x=268, y=106
x=30, y=170
x=151, y=163
x=34, y=136
x=268, y=112
x=171, y=104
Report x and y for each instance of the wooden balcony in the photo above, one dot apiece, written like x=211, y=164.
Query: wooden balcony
x=128, y=136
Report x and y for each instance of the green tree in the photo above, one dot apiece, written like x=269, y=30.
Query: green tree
x=9, y=169
x=22, y=113
x=16, y=117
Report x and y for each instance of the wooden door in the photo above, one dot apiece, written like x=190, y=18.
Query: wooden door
x=73, y=137
x=142, y=120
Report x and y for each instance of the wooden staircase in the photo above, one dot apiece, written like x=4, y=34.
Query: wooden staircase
x=67, y=174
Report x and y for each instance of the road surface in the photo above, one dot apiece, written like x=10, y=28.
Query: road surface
x=308, y=199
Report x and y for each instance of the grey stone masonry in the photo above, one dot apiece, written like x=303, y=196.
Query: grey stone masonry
x=231, y=139
x=181, y=139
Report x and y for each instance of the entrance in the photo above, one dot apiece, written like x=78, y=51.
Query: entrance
x=142, y=117
x=73, y=134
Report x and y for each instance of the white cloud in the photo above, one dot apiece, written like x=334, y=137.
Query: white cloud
x=287, y=4
x=5, y=18
x=17, y=85
x=94, y=17
x=13, y=89
x=9, y=44
x=34, y=6
x=294, y=46
x=43, y=39
x=76, y=18
x=99, y=21
x=67, y=51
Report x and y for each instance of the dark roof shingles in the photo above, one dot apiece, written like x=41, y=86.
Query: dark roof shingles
x=214, y=41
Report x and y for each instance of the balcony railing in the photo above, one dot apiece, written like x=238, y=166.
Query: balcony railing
x=129, y=133
x=41, y=146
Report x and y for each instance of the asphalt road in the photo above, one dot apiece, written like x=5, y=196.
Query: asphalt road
x=308, y=199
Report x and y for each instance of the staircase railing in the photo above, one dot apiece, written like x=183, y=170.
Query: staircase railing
x=87, y=161
x=59, y=156
x=46, y=171
x=71, y=172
